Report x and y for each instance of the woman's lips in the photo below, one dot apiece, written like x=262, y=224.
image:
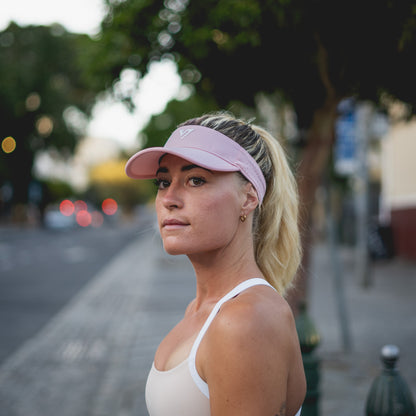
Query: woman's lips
x=172, y=224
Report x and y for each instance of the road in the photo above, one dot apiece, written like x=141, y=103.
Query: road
x=41, y=270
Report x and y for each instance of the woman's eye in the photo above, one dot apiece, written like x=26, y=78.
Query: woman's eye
x=161, y=183
x=196, y=181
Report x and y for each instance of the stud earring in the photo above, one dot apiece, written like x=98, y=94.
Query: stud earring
x=243, y=218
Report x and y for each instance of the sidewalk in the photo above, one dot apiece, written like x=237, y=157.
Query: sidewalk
x=92, y=359
x=381, y=314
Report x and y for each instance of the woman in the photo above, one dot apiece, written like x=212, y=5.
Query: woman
x=227, y=199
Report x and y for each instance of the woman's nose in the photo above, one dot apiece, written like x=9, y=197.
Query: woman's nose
x=172, y=197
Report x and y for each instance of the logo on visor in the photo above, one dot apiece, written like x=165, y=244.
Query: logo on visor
x=185, y=132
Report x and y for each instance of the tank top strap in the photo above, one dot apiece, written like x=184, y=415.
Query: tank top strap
x=192, y=356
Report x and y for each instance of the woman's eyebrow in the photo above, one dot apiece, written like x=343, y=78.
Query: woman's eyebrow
x=184, y=168
x=162, y=170
x=189, y=167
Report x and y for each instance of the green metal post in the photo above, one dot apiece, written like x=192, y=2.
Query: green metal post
x=389, y=394
x=309, y=339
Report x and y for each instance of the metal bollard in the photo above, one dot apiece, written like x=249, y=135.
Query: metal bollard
x=309, y=339
x=389, y=394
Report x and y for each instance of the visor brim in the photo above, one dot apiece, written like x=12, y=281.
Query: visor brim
x=144, y=164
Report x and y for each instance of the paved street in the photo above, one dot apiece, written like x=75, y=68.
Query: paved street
x=92, y=358
x=41, y=269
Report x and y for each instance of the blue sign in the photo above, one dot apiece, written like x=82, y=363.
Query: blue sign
x=345, y=149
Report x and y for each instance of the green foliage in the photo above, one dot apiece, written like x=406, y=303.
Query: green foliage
x=57, y=190
x=161, y=126
x=40, y=77
x=309, y=50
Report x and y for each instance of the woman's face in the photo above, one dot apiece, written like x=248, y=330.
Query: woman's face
x=198, y=210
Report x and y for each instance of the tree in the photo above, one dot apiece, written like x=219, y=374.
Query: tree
x=314, y=52
x=42, y=91
x=161, y=125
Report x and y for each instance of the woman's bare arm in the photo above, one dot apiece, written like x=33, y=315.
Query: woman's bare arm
x=249, y=354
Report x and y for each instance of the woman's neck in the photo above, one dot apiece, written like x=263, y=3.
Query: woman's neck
x=219, y=271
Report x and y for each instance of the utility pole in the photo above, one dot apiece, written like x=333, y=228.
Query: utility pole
x=364, y=114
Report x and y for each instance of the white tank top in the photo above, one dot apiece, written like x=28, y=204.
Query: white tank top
x=180, y=391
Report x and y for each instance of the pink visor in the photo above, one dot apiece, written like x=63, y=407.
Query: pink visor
x=203, y=146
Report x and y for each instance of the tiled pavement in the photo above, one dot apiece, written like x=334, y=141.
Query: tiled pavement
x=93, y=357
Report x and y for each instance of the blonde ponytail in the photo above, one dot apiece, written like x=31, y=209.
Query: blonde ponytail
x=277, y=240
x=275, y=226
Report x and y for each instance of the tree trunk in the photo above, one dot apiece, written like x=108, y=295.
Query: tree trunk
x=313, y=162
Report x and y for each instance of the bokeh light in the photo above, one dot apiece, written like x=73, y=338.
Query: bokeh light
x=80, y=206
x=109, y=206
x=33, y=101
x=44, y=126
x=83, y=218
x=8, y=144
x=66, y=207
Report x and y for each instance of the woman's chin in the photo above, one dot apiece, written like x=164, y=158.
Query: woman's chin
x=174, y=249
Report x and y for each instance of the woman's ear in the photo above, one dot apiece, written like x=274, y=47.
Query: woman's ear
x=251, y=200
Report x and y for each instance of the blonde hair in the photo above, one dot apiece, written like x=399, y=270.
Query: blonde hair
x=275, y=227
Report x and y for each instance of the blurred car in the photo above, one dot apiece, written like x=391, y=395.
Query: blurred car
x=54, y=219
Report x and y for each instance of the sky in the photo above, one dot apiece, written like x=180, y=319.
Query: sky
x=110, y=119
x=80, y=16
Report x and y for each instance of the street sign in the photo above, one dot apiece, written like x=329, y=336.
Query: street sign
x=345, y=157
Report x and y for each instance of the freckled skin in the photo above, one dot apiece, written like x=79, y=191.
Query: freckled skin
x=209, y=209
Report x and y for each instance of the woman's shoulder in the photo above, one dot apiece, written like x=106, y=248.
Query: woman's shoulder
x=257, y=311
x=252, y=343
